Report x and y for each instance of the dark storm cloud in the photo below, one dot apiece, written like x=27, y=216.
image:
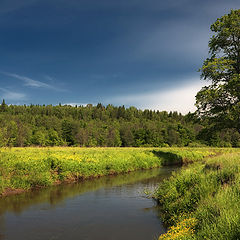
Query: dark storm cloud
x=103, y=50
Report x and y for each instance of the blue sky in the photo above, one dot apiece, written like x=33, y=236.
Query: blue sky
x=144, y=53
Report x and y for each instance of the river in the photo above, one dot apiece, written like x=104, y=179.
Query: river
x=107, y=208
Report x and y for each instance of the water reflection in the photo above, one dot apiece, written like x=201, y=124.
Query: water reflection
x=106, y=208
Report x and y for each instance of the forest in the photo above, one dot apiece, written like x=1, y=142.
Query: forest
x=107, y=126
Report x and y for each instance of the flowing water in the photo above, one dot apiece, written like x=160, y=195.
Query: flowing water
x=108, y=208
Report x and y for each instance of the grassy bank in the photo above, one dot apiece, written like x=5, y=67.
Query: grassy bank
x=25, y=168
x=202, y=201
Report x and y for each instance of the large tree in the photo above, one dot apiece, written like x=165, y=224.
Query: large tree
x=220, y=100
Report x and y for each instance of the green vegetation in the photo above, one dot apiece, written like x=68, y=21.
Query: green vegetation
x=202, y=201
x=219, y=103
x=25, y=168
x=91, y=126
x=106, y=126
x=182, y=156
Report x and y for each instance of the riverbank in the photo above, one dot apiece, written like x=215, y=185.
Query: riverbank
x=26, y=168
x=202, y=201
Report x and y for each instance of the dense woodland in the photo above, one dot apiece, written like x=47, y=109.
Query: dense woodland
x=110, y=126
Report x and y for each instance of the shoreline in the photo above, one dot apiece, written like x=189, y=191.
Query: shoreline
x=29, y=168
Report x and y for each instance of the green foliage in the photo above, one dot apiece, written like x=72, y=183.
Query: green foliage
x=92, y=126
x=3, y=106
x=67, y=132
x=220, y=101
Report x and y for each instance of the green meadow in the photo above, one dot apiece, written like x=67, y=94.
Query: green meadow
x=26, y=168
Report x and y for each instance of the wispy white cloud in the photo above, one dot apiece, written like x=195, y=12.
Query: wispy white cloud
x=11, y=95
x=29, y=82
x=181, y=99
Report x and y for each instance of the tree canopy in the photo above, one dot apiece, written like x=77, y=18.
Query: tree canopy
x=219, y=102
x=90, y=126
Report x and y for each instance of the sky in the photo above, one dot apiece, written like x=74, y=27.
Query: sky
x=142, y=53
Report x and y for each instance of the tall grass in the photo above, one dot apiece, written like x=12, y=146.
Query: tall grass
x=173, y=156
x=206, y=193
x=25, y=168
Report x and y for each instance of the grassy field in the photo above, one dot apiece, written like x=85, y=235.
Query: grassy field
x=202, y=200
x=25, y=168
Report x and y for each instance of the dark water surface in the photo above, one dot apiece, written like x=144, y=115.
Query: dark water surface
x=101, y=209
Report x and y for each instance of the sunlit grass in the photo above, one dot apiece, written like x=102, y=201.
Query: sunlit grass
x=208, y=191
x=31, y=167
x=24, y=168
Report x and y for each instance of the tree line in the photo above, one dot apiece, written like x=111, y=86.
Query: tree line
x=105, y=126
x=91, y=126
